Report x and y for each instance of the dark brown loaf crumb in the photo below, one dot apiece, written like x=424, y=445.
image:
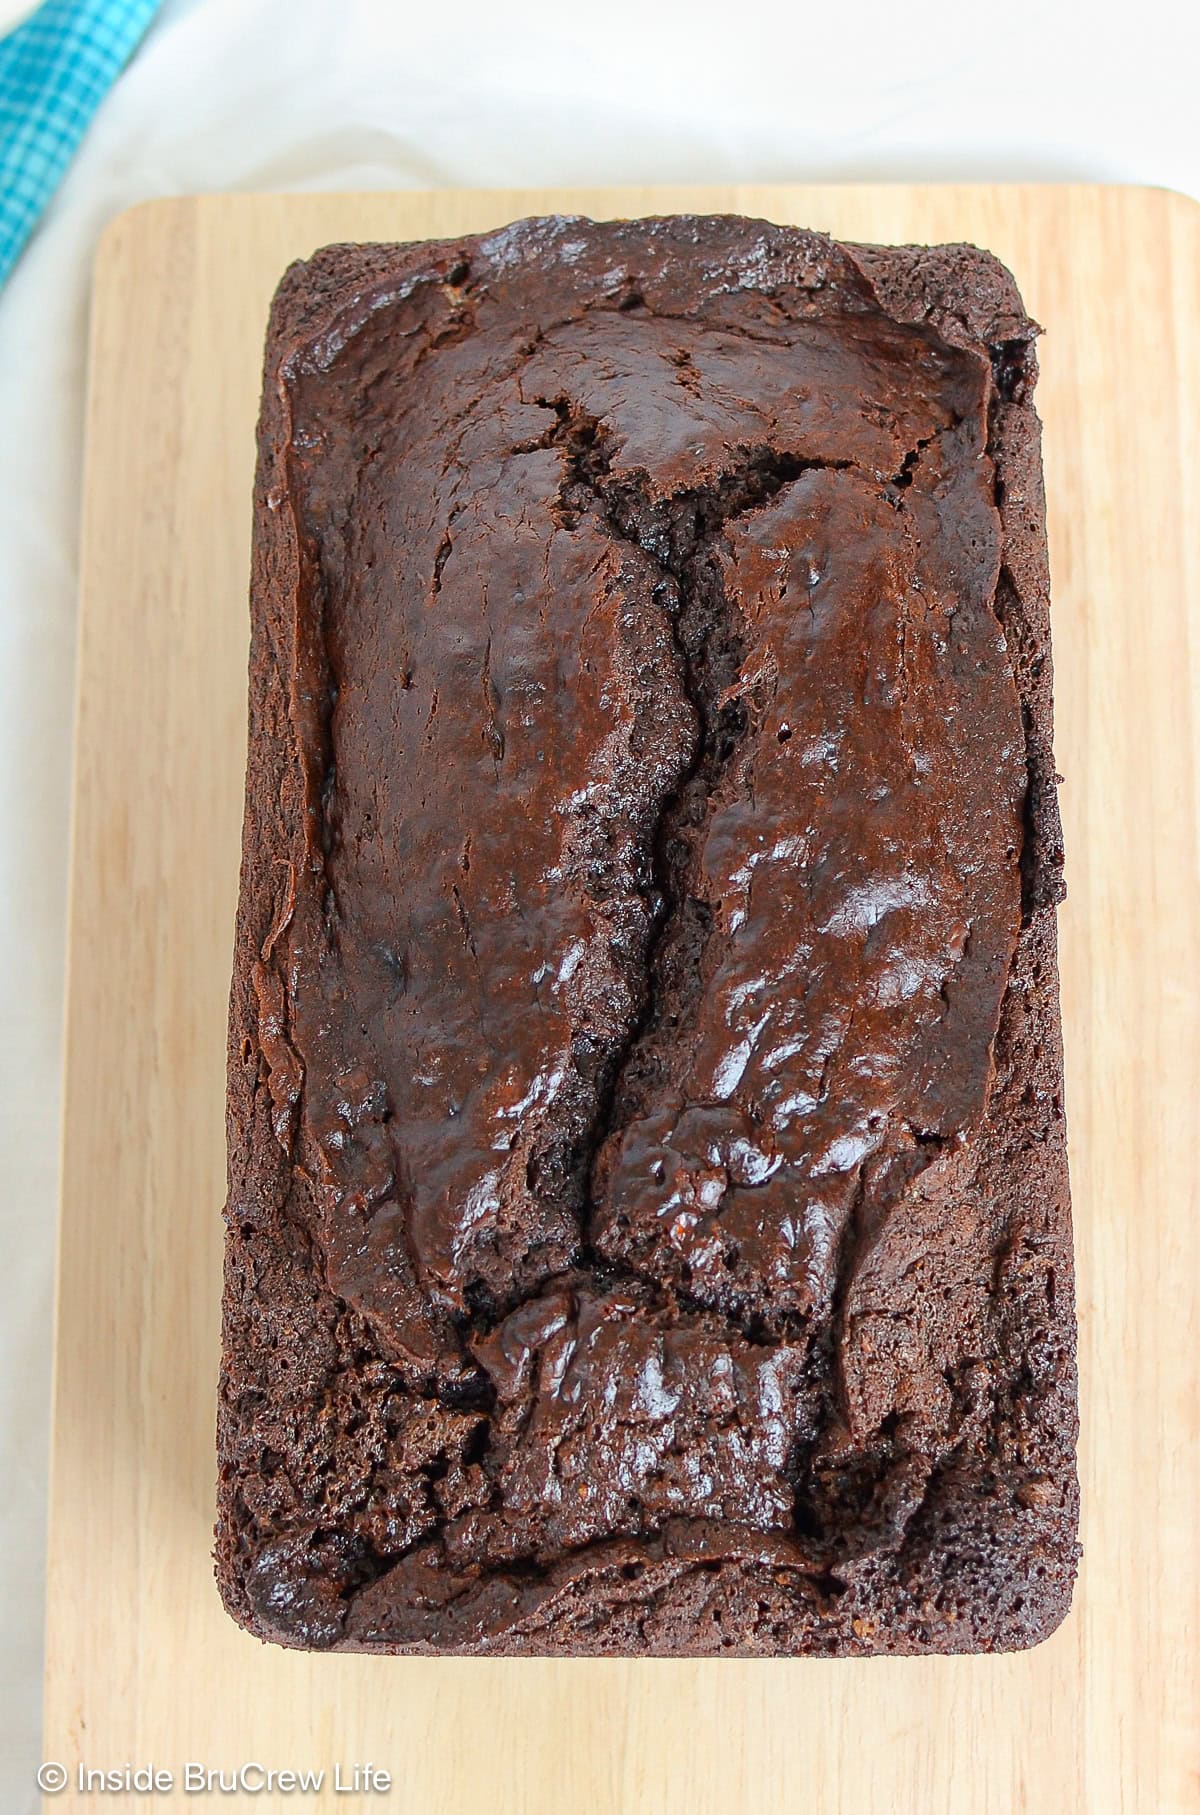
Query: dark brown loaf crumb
x=648, y=1225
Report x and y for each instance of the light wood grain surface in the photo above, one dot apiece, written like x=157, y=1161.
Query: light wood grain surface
x=142, y=1662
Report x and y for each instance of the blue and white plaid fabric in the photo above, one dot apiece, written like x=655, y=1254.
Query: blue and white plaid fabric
x=54, y=72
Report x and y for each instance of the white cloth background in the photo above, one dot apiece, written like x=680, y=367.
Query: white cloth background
x=270, y=94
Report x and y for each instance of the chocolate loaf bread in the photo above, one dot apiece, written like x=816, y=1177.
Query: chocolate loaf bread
x=648, y=1225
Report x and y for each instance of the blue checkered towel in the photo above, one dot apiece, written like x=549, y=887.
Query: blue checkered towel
x=54, y=72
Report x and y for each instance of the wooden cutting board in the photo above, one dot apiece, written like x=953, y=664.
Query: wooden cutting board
x=143, y=1664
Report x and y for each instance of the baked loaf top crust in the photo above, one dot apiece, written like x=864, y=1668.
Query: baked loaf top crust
x=648, y=1221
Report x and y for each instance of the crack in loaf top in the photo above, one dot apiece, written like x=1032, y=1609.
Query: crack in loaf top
x=661, y=870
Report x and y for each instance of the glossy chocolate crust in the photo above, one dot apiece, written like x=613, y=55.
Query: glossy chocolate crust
x=648, y=1225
